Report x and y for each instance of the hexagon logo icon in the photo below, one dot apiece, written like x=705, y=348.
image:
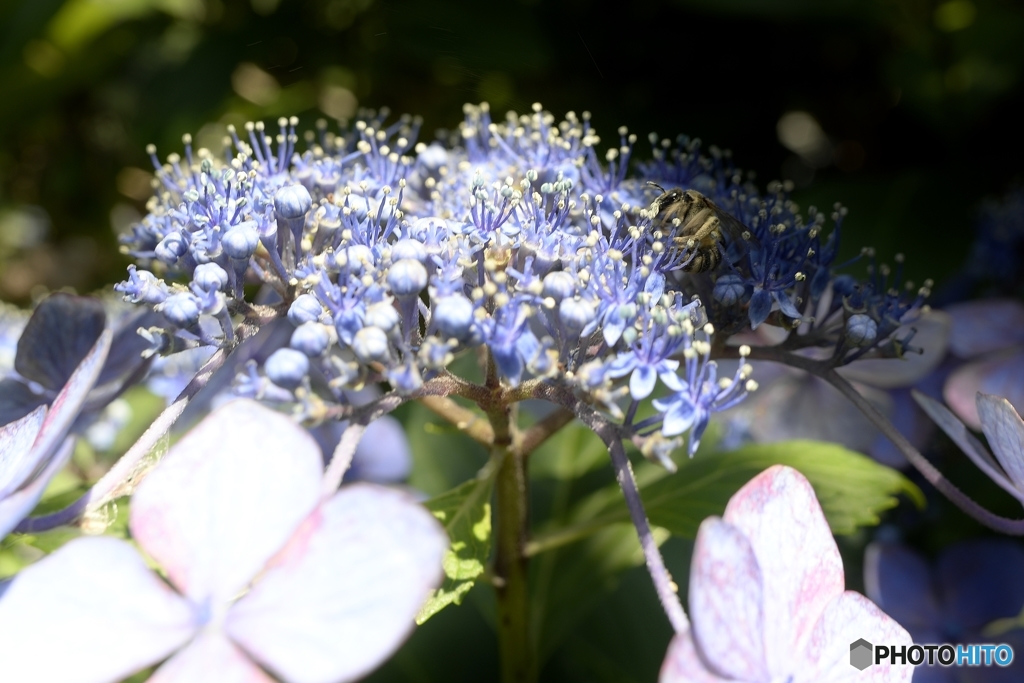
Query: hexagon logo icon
x=860, y=654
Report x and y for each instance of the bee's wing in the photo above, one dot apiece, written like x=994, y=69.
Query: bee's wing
x=742, y=236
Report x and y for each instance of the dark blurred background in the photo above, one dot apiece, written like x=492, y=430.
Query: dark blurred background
x=907, y=111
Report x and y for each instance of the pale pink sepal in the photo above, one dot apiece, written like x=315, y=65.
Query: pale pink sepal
x=16, y=506
x=92, y=612
x=848, y=618
x=725, y=599
x=16, y=439
x=29, y=455
x=800, y=564
x=344, y=593
x=683, y=664
x=226, y=498
x=1005, y=433
x=1001, y=374
x=210, y=658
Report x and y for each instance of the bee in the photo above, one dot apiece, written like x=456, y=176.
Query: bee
x=696, y=224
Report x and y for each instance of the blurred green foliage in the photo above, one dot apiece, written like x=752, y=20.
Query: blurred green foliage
x=910, y=107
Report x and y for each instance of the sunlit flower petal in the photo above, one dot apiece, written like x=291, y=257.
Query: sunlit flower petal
x=726, y=599
x=226, y=499
x=767, y=598
x=90, y=612
x=779, y=514
x=211, y=656
x=346, y=590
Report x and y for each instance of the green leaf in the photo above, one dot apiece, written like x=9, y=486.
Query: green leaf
x=852, y=489
x=465, y=512
x=442, y=457
x=569, y=454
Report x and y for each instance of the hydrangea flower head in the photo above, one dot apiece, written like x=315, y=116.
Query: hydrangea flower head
x=391, y=257
x=766, y=595
x=263, y=572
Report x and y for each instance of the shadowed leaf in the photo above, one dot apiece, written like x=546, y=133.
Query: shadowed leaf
x=465, y=512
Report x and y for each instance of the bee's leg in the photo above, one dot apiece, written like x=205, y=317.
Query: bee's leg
x=708, y=222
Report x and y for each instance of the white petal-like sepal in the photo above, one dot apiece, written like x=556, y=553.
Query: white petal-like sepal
x=344, y=593
x=226, y=498
x=92, y=612
x=800, y=564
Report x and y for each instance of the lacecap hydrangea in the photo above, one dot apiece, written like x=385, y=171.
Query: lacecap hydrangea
x=391, y=256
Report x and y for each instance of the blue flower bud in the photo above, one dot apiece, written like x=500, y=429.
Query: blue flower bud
x=861, y=330
x=171, y=248
x=407, y=278
x=240, y=241
x=409, y=249
x=292, y=201
x=729, y=289
x=181, y=309
x=576, y=314
x=453, y=316
x=354, y=258
x=371, y=344
x=210, y=277
x=306, y=308
x=559, y=285
x=405, y=379
x=291, y=204
x=382, y=315
x=311, y=338
x=287, y=367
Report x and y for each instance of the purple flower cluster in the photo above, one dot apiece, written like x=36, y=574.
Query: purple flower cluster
x=390, y=257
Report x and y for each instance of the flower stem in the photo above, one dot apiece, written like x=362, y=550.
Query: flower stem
x=668, y=591
x=510, y=570
x=1013, y=527
x=612, y=436
x=510, y=562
